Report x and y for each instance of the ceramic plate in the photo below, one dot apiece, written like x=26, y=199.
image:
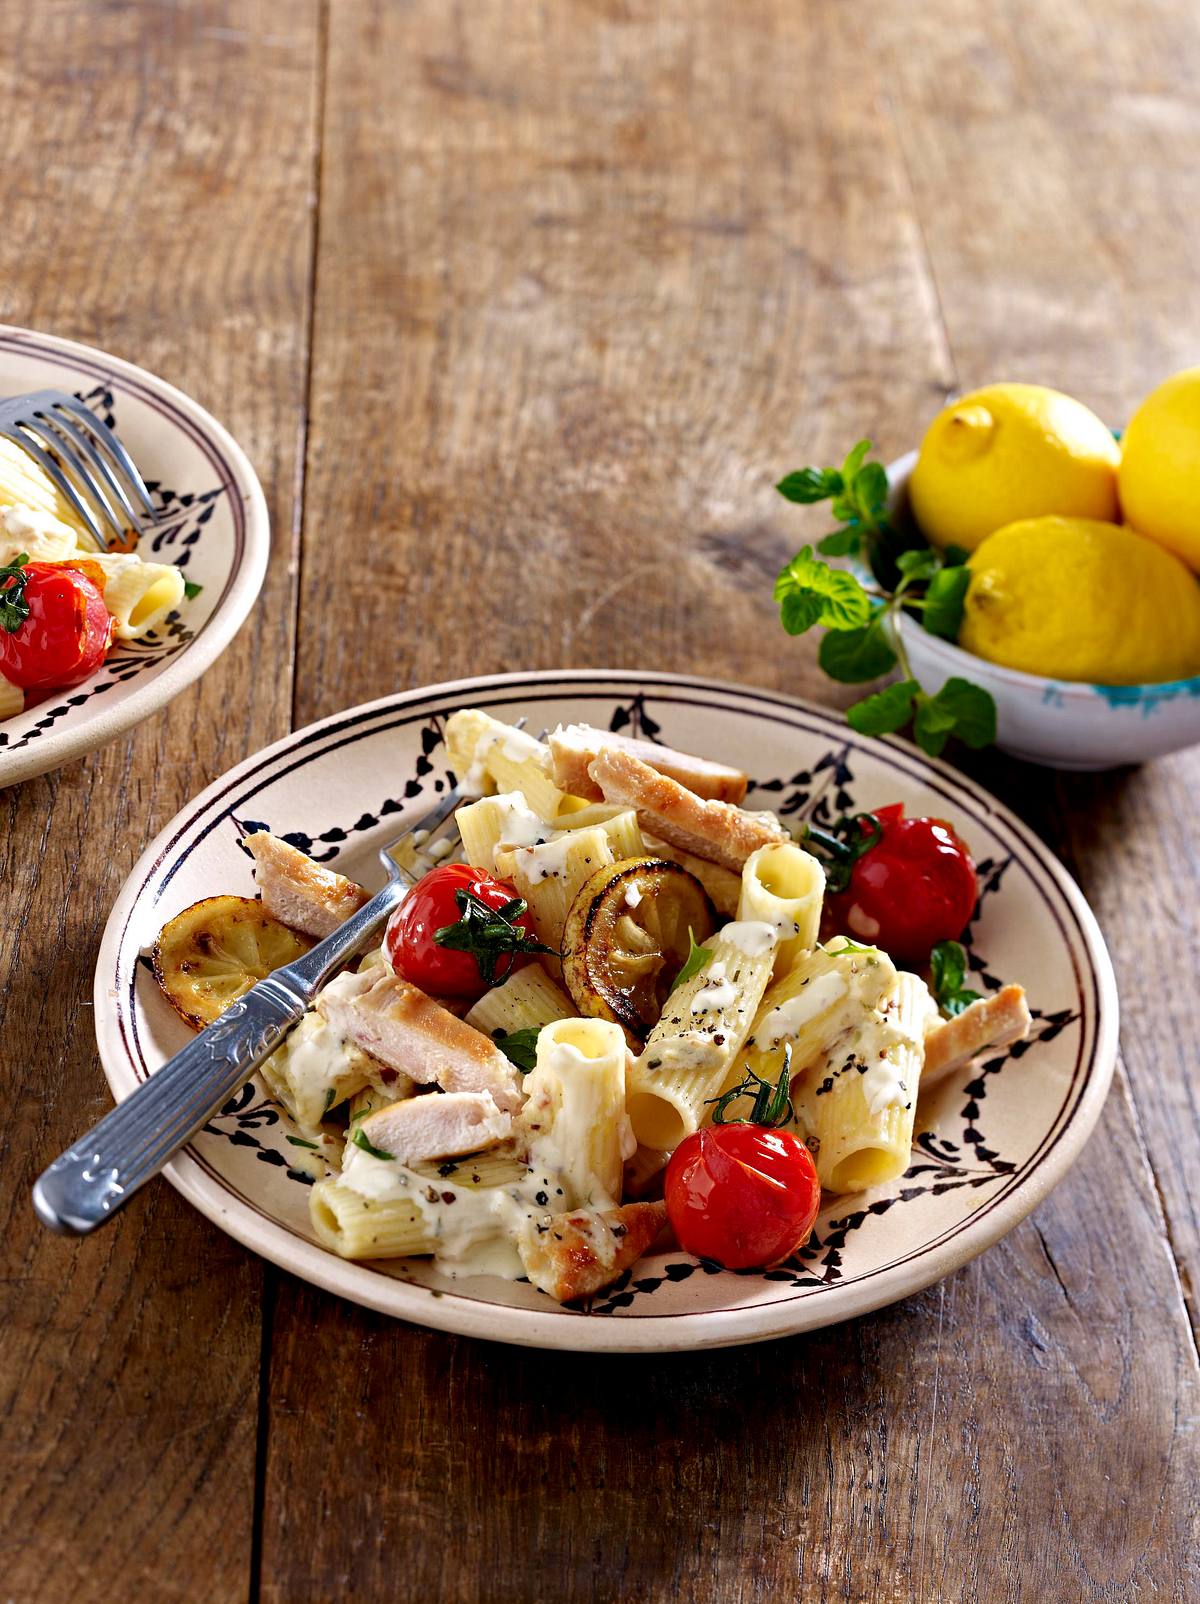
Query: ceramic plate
x=216, y=531
x=991, y=1142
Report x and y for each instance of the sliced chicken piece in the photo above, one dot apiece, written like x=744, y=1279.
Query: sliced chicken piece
x=995, y=1021
x=438, y=1125
x=574, y=1255
x=401, y=1026
x=299, y=892
x=574, y=747
x=717, y=831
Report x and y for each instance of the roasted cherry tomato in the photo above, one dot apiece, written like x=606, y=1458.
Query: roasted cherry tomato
x=743, y=1195
x=458, y=932
x=914, y=887
x=54, y=627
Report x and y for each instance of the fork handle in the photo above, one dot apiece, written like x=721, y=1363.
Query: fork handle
x=98, y=1175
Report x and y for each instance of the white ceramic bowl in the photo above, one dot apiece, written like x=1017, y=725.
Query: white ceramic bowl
x=221, y=542
x=1064, y=724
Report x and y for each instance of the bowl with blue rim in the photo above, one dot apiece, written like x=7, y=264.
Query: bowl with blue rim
x=1064, y=724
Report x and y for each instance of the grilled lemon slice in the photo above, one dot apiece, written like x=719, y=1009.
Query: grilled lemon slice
x=626, y=938
x=213, y=952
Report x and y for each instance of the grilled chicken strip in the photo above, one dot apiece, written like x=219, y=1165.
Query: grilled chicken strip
x=993, y=1021
x=574, y=747
x=438, y=1125
x=717, y=831
x=574, y=1255
x=299, y=892
x=401, y=1026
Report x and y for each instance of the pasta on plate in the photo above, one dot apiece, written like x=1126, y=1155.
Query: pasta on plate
x=634, y=956
x=40, y=532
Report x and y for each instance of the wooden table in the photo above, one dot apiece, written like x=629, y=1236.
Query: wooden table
x=520, y=310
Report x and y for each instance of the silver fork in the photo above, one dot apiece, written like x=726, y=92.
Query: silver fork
x=85, y=459
x=98, y=1175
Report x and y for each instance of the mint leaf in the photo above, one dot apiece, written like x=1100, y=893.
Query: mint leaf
x=948, y=968
x=191, y=589
x=854, y=460
x=942, y=614
x=694, y=962
x=959, y=708
x=840, y=543
x=917, y=565
x=855, y=655
x=360, y=1140
x=810, y=485
x=871, y=491
x=519, y=1046
x=885, y=712
x=811, y=592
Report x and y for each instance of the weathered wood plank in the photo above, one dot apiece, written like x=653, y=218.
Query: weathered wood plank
x=156, y=201
x=590, y=278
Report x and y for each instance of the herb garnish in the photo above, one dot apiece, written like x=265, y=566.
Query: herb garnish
x=948, y=963
x=360, y=1140
x=841, y=846
x=298, y=1141
x=519, y=1046
x=772, y=1102
x=694, y=962
x=14, y=609
x=191, y=589
x=489, y=934
x=862, y=641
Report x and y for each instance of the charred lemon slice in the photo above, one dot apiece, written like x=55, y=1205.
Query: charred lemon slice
x=213, y=952
x=626, y=938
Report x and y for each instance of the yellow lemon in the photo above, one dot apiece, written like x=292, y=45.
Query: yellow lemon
x=1080, y=600
x=1160, y=467
x=1011, y=451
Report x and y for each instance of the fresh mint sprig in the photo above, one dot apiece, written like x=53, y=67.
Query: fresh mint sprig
x=862, y=641
x=519, y=1046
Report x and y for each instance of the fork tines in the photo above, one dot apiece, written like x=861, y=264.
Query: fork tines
x=85, y=459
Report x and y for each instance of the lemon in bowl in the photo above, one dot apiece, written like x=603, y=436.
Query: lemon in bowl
x=1094, y=723
x=1078, y=599
x=1009, y=452
x=1159, y=479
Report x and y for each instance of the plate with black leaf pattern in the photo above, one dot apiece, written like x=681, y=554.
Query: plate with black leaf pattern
x=991, y=1141
x=214, y=527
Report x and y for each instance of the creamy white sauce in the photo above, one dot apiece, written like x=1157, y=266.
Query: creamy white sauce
x=313, y=1059
x=633, y=894
x=752, y=937
x=545, y=862
x=884, y=1086
x=717, y=992
x=519, y=825
x=42, y=537
x=791, y=1016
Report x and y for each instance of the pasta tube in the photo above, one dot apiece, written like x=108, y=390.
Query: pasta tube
x=858, y=1102
x=24, y=485
x=549, y=876
x=488, y=756
x=358, y=1227
x=527, y=1000
x=575, y=1114
x=138, y=594
x=784, y=885
x=315, y=1070
x=691, y=1051
x=496, y=822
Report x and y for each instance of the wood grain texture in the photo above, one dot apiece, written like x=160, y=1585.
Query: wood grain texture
x=607, y=272
x=142, y=142
x=589, y=277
